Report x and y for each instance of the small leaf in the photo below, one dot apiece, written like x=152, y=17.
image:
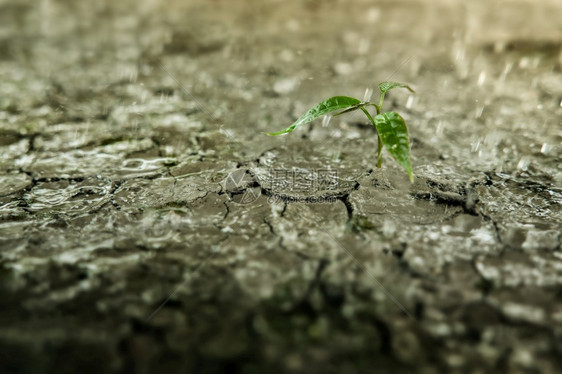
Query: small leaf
x=326, y=106
x=384, y=87
x=394, y=135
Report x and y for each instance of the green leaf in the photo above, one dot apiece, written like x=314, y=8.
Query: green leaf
x=384, y=87
x=350, y=109
x=325, y=107
x=394, y=135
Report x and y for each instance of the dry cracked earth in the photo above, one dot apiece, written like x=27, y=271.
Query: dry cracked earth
x=147, y=225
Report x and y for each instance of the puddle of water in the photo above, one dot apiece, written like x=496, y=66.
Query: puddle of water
x=138, y=167
x=12, y=183
x=72, y=198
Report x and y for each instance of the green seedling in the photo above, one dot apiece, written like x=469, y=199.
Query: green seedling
x=391, y=129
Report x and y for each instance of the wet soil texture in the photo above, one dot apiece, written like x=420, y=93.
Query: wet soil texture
x=147, y=225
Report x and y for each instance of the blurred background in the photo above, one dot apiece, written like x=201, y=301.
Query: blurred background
x=122, y=249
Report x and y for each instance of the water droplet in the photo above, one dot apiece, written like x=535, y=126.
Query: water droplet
x=546, y=148
x=505, y=71
x=523, y=164
x=440, y=127
x=479, y=111
x=326, y=120
x=410, y=102
x=525, y=62
x=335, y=134
x=368, y=94
x=476, y=145
x=286, y=85
x=388, y=228
x=482, y=78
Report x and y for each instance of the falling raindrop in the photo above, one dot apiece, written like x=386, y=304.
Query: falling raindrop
x=287, y=55
x=546, y=148
x=440, y=127
x=506, y=71
x=476, y=145
x=459, y=59
x=326, y=120
x=336, y=134
x=368, y=94
x=479, y=111
x=523, y=164
x=388, y=228
x=410, y=102
x=482, y=78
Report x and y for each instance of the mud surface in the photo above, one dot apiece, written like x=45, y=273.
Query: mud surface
x=147, y=225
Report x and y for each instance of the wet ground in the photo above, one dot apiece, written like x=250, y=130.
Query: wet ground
x=147, y=225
